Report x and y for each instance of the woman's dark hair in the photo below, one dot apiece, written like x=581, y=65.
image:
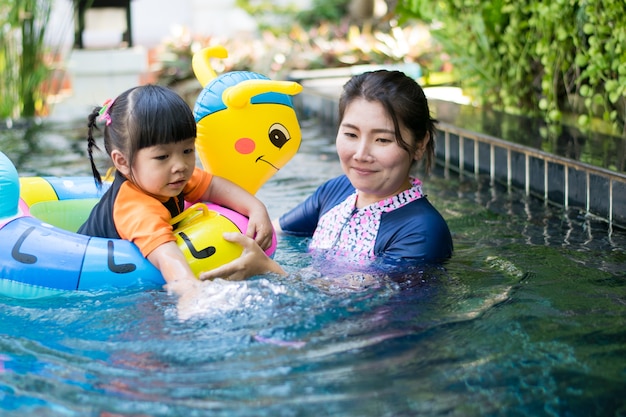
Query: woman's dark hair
x=138, y=118
x=405, y=102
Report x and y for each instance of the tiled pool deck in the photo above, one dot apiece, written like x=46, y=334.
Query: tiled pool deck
x=597, y=192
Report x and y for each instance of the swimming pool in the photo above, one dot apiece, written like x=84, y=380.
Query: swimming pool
x=528, y=319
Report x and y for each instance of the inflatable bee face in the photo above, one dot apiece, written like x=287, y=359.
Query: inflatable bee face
x=247, y=126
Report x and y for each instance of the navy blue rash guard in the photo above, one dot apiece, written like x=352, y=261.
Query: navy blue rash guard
x=409, y=229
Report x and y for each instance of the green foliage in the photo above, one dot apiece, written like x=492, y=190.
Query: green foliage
x=331, y=11
x=269, y=15
x=536, y=57
x=277, y=17
x=22, y=30
x=326, y=44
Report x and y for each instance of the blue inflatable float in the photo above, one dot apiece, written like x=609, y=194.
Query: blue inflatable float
x=40, y=252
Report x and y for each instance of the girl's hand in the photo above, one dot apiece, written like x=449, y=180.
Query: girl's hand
x=260, y=227
x=253, y=261
x=228, y=194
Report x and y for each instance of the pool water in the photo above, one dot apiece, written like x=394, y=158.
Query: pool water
x=527, y=319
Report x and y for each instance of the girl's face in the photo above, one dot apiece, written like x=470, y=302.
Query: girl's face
x=369, y=153
x=164, y=170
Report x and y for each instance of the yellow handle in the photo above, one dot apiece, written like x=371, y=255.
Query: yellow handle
x=190, y=213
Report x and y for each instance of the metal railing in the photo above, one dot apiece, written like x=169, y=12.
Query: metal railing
x=558, y=180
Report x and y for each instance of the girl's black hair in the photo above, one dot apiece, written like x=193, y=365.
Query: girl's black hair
x=141, y=117
x=403, y=99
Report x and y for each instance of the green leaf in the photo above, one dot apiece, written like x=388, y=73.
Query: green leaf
x=598, y=99
x=614, y=96
x=585, y=90
x=588, y=28
x=610, y=86
x=555, y=115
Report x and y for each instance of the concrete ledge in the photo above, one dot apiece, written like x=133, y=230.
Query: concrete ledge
x=97, y=75
x=106, y=62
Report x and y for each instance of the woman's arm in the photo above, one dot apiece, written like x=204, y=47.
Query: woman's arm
x=302, y=219
x=228, y=194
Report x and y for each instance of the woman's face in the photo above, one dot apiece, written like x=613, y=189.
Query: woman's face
x=369, y=153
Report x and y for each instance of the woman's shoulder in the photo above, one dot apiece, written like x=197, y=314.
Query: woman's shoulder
x=415, y=231
x=419, y=213
x=333, y=191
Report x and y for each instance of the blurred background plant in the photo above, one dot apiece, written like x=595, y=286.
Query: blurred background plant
x=330, y=34
x=24, y=58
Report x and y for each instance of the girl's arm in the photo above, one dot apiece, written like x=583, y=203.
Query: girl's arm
x=226, y=193
x=175, y=269
x=179, y=278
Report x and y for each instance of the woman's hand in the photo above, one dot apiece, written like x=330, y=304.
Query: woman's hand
x=253, y=261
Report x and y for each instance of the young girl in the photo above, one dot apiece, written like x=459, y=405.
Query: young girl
x=150, y=136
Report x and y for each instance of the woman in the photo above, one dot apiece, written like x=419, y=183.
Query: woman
x=376, y=213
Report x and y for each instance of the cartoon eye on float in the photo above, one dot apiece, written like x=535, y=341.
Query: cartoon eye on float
x=278, y=135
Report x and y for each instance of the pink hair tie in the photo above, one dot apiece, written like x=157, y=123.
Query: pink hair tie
x=104, y=114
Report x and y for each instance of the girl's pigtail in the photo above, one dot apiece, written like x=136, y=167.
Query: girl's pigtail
x=91, y=143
